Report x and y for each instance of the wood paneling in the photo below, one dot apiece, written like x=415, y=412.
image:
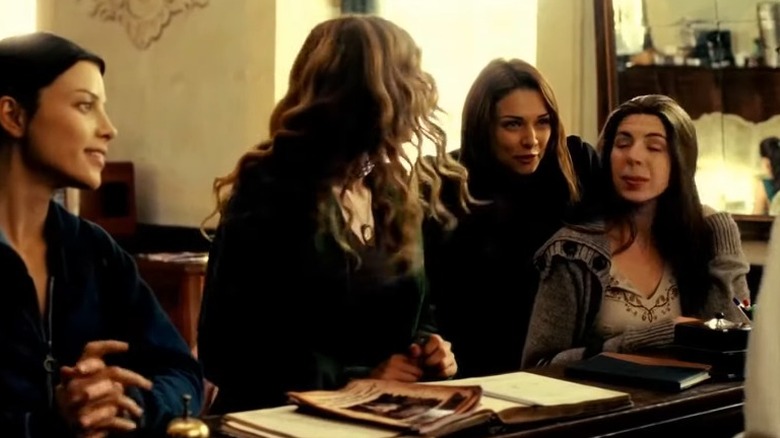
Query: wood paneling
x=178, y=287
x=752, y=93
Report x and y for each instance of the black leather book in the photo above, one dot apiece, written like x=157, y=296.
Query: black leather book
x=640, y=371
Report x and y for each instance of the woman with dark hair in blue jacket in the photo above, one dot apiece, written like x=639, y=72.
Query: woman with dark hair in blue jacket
x=86, y=349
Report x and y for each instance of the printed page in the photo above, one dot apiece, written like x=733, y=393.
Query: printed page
x=402, y=405
x=286, y=422
x=532, y=389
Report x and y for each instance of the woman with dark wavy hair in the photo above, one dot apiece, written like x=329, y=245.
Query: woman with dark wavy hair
x=658, y=258
x=533, y=177
x=316, y=265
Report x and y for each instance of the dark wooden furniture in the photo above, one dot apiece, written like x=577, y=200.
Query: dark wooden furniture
x=178, y=286
x=710, y=409
x=752, y=93
x=606, y=64
x=112, y=205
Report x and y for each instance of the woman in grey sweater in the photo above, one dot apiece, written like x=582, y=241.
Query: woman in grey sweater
x=658, y=258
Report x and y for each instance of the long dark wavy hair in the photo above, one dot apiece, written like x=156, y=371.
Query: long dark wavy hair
x=498, y=79
x=678, y=229
x=357, y=92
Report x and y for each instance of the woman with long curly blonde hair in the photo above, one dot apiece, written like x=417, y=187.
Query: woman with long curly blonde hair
x=317, y=259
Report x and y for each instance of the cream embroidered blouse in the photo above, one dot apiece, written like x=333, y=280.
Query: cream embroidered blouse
x=624, y=307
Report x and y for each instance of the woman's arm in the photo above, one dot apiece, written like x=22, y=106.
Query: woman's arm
x=553, y=332
x=157, y=350
x=728, y=268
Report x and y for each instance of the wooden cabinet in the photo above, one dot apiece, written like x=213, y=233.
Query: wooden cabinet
x=752, y=93
x=178, y=285
x=112, y=205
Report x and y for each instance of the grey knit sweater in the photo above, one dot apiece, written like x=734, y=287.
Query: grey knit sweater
x=574, y=271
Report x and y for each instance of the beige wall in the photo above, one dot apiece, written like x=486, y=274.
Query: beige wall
x=458, y=38
x=192, y=102
x=294, y=19
x=566, y=55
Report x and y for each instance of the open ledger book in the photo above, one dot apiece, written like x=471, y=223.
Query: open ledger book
x=374, y=408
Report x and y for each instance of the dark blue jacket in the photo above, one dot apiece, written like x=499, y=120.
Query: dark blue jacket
x=95, y=293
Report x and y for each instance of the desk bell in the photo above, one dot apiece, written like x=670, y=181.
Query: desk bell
x=187, y=426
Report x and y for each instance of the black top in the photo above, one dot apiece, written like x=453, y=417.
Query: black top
x=286, y=308
x=481, y=275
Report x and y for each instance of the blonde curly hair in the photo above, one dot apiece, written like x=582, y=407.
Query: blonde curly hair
x=357, y=91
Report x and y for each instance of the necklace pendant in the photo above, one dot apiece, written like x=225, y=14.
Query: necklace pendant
x=367, y=232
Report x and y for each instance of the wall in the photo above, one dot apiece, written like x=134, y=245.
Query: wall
x=558, y=36
x=458, y=38
x=566, y=55
x=294, y=19
x=189, y=105
x=16, y=16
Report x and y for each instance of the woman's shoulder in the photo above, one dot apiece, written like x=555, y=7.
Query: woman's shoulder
x=592, y=234
x=719, y=220
x=84, y=241
x=579, y=147
x=584, y=156
x=254, y=190
x=586, y=243
x=257, y=175
x=587, y=168
x=723, y=230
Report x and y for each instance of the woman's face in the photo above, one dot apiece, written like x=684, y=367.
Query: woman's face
x=68, y=136
x=522, y=130
x=640, y=160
